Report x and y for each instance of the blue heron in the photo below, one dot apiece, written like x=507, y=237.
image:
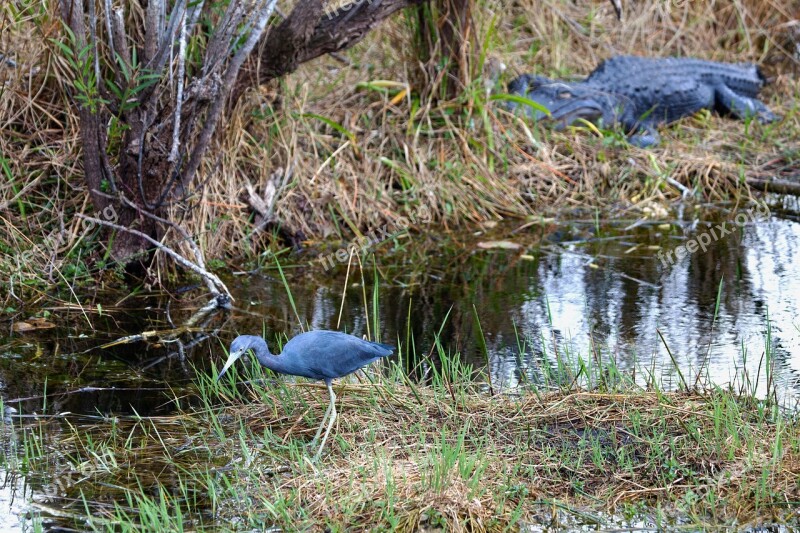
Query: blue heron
x=319, y=354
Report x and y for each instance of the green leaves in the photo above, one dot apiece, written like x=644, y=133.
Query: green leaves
x=136, y=82
x=81, y=60
x=126, y=91
x=515, y=98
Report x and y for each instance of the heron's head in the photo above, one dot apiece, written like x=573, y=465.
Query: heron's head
x=239, y=347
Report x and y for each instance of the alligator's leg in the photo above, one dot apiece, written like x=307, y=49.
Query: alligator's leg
x=645, y=138
x=522, y=86
x=641, y=133
x=519, y=85
x=743, y=107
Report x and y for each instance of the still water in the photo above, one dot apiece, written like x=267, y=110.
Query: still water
x=599, y=289
x=594, y=288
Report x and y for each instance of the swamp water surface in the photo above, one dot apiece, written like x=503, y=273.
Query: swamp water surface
x=515, y=296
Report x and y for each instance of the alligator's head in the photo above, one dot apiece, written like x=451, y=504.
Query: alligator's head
x=566, y=102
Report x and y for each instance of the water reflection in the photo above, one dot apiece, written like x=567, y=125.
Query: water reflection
x=13, y=495
x=591, y=288
x=598, y=290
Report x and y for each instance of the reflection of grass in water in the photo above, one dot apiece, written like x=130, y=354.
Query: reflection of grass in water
x=407, y=455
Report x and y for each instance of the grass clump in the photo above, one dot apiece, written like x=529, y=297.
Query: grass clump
x=445, y=454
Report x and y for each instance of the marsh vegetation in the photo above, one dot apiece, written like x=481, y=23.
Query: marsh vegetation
x=559, y=365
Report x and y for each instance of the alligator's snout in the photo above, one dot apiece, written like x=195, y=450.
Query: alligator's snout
x=571, y=109
x=566, y=103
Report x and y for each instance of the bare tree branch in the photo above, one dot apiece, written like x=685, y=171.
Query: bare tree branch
x=216, y=287
x=775, y=185
x=173, y=154
x=120, y=38
x=261, y=18
x=152, y=27
x=309, y=32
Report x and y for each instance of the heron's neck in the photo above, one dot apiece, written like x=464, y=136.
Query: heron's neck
x=265, y=358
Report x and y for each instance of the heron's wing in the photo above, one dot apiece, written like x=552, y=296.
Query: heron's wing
x=330, y=354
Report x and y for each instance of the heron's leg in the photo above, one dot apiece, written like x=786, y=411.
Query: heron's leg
x=321, y=425
x=330, y=422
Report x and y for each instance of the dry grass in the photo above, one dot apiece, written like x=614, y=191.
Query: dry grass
x=406, y=458
x=392, y=153
x=568, y=448
x=404, y=153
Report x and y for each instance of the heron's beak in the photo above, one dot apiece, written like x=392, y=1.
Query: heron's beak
x=617, y=8
x=232, y=357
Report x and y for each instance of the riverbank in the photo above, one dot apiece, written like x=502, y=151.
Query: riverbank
x=350, y=148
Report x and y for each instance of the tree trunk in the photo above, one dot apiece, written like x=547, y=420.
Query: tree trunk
x=447, y=45
x=167, y=130
x=91, y=117
x=144, y=177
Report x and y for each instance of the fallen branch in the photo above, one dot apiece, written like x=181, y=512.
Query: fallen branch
x=310, y=31
x=198, y=254
x=775, y=185
x=216, y=287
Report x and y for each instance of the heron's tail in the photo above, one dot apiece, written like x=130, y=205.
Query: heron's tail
x=387, y=347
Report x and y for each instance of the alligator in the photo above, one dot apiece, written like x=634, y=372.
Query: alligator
x=640, y=93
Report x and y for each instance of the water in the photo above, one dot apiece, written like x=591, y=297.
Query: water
x=593, y=288
x=12, y=504
x=589, y=287
x=600, y=290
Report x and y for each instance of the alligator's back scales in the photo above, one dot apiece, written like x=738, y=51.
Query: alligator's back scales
x=640, y=93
